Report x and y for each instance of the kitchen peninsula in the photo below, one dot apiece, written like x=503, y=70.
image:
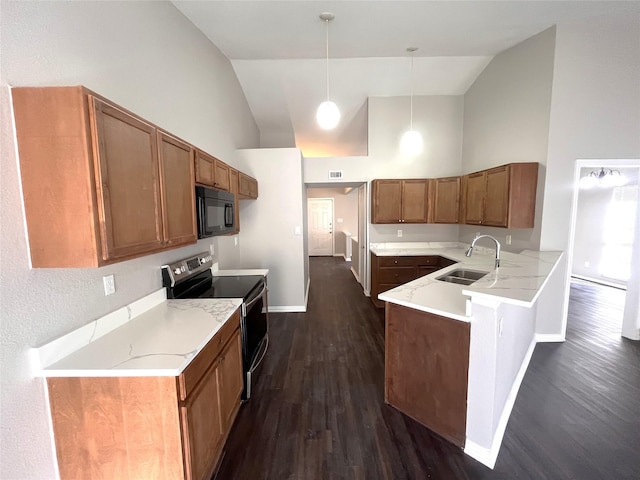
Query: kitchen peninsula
x=455, y=354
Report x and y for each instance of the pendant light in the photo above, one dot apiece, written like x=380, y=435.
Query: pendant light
x=411, y=143
x=328, y=114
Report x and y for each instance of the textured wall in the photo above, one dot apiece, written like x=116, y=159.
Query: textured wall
x=148, y=58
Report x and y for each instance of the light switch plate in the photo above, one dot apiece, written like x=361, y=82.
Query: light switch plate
x=109, y=284
x=297, y=231
x=399, y=233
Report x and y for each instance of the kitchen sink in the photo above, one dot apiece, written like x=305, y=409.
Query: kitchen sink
x=462, y=276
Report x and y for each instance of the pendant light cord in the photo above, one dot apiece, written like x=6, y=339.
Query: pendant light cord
x=411, y=98
x=327, y=52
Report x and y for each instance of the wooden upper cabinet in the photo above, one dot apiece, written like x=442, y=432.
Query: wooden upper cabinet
x=127, y=182
x=222, y=176
x=387, y=201
x=205, y=166
x=503, y=196
x=210, y=171
x=415, y=201
x=247, y=186
x=91, y=177
x=475, y=185
x=177, y=187
x=233, y=188
x=446, y=200
x=400, y=201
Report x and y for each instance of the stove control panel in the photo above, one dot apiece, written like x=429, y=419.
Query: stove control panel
x=179, y=271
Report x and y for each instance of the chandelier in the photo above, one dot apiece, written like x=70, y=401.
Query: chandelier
x=604, y=178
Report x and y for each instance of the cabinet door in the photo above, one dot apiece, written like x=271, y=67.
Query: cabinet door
x=233, y=188
x=202, y=432
x=446, y=200
x=496, y=210
x=247, y=186
x=221, y=178
x=415, y=203
x=474, y=198
x=230, y=382
x=387, y=201
x=177, y=188
x=205, y=168
x=127, y=183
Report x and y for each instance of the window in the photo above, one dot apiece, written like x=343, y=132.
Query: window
x=618, y=233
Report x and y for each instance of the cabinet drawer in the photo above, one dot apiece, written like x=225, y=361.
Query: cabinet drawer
x=396, y=261
x=396, y=275
x=201, y=363
x=420, y=261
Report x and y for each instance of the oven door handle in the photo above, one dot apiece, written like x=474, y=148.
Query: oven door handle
x=247, y=306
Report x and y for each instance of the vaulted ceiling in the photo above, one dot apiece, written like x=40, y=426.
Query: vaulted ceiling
x=277, y=49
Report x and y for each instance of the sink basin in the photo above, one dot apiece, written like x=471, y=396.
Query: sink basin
x=462, y=276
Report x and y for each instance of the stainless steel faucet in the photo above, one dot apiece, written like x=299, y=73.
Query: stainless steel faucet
x=473, y=244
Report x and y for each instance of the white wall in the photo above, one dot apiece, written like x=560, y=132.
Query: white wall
x=506, y=120
x=148, y=58
x=345, y=208
x=592, y=210
x=268, y=225
x=594, y=114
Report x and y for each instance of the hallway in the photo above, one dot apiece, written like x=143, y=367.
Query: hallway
x=317, y=411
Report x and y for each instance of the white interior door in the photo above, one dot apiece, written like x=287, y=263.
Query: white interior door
x=320, y=212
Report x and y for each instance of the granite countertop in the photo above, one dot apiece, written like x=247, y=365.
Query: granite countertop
x=518, y=281
x=159, y=341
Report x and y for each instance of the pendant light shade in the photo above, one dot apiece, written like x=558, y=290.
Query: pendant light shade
x=411, y=143
x=328, y=115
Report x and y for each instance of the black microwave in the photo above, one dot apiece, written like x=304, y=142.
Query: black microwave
x=215, y=212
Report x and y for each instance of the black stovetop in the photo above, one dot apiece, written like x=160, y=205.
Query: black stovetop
x=204, y=285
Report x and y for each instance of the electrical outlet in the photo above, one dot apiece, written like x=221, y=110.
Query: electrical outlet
x=507, y=240
x=339, y=220
x=109, y=284
x=399, y=233
x=586, y=264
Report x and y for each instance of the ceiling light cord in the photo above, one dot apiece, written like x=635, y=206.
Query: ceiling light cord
x=326, y=23
x=328, y=114
x=411, y=97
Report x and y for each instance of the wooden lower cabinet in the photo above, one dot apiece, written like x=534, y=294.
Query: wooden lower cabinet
x=426, y=369
x=150, y=427
x=388, y=272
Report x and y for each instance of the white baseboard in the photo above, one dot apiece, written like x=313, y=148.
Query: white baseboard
x=549, y=337
x=488, y=456
x=356, y=275
x=293, y=308
x=484, y=455
x=288, y=308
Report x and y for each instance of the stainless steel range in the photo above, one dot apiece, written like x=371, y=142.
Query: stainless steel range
x=192, y=278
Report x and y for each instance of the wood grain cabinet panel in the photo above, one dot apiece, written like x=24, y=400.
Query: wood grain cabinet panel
x=388, y=272
x=446, y=200
x=503, y=196
x=426, y=369
x=247, y=186
x=400, y=201
x=474, y=198
x=205, y=168
x=127, y=182
x=233, y=188
x=92, y=178
x=222, y=176
x=178, y=202
x=150, y=427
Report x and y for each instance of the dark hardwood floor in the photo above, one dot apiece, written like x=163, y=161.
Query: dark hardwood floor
x=317, y=411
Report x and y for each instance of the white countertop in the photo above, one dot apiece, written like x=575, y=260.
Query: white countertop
x=519, y=279
x=160, y=341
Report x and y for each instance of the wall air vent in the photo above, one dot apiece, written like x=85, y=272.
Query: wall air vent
x=335, y=174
